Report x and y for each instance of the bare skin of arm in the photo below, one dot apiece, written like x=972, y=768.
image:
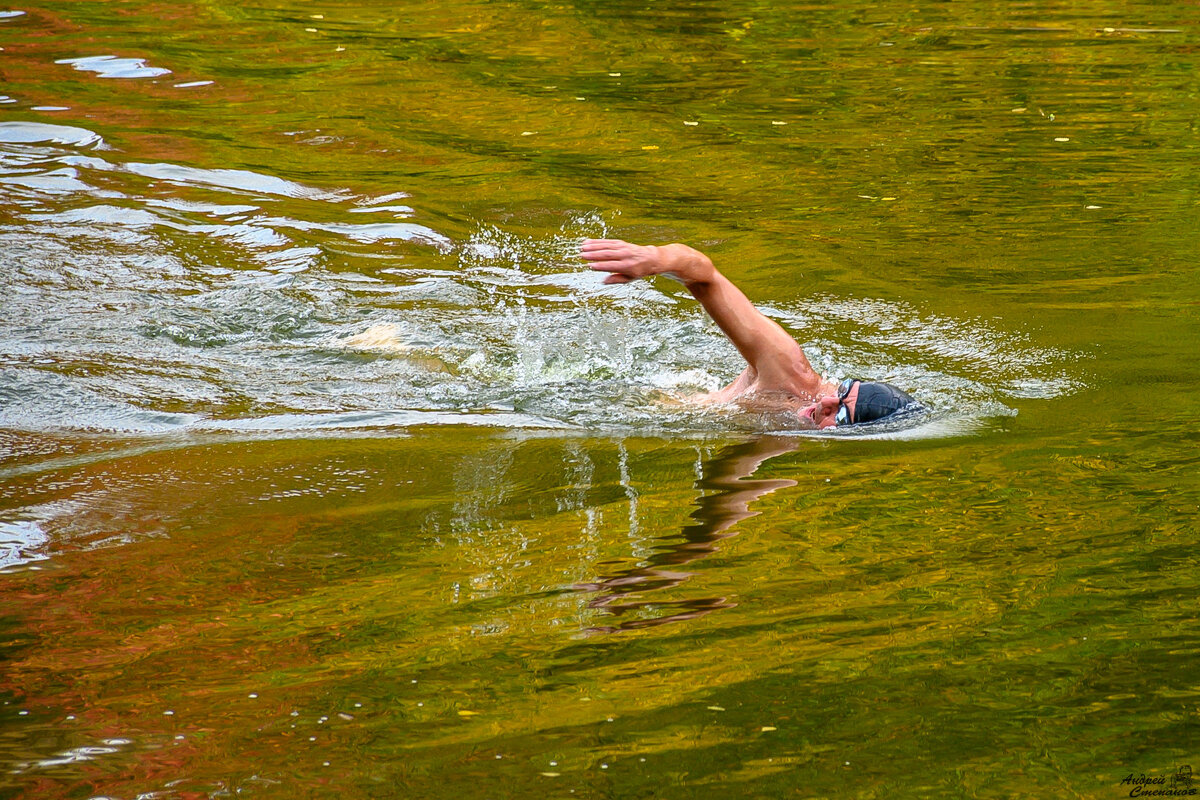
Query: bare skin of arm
x=777, y=362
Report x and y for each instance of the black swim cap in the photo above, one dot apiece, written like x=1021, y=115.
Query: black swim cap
x=877, y=400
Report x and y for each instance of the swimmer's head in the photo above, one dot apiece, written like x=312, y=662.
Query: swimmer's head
x=857, y=402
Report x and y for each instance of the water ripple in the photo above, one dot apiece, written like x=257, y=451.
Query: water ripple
x=40, y=132
x=115, y=67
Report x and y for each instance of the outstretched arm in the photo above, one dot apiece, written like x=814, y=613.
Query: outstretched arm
x=769, y=349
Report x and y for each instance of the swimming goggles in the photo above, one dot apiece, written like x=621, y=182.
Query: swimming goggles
x=843, y=413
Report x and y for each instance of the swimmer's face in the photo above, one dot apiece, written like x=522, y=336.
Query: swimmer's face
x=834, y=409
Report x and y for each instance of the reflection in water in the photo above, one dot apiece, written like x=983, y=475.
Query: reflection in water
x=727, y=476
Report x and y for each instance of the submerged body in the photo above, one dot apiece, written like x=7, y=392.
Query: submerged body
x=778, y=375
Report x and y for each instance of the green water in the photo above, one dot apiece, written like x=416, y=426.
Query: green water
x=250, y=550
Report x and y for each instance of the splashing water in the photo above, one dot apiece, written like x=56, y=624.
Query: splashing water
x=154, y=298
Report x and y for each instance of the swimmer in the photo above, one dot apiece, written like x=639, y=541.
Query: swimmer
x=779, y=377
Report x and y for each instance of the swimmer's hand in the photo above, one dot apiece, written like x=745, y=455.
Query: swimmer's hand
x=628, y=262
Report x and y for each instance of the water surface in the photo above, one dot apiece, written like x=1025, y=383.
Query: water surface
x=326, y=469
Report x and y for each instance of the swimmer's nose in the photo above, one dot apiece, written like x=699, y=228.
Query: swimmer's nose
x=826, y=408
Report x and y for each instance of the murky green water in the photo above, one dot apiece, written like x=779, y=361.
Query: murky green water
x=326, y=471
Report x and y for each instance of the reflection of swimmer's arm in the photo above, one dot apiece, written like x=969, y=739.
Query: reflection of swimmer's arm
x=777, y=359
x=730, y=474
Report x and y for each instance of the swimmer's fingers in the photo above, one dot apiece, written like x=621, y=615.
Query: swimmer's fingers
x=626, y=261
x=608, y=251
x=604, y=244
x=622, y=272
x=613, y=250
